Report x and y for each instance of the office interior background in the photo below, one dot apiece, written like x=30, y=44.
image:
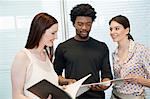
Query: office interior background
x=16, y=16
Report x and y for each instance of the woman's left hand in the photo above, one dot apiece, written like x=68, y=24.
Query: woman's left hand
x=138, y=80
x=135, y=79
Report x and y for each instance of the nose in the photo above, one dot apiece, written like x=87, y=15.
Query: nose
x=55, y=36
x=84, y=27
x=112, y=31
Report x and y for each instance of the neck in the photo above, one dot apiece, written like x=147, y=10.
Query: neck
x=80, y=39
x=38, y=51
x=124, y=44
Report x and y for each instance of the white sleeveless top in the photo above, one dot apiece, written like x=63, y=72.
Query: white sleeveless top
x=37, y=71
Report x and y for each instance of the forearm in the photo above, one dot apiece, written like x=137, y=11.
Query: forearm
x=138, y=80
x=20, y=96
x=144, y=82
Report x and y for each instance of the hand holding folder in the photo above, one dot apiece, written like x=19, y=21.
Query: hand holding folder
x=43, y=88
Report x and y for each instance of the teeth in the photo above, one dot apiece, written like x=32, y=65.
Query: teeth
x=84, y=33
x=115, y=34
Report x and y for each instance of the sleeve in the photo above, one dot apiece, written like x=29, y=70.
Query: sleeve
x=59, y=61
x=145, y=56
x=106, y=68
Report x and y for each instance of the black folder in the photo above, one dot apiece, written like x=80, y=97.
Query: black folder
x=43, y=88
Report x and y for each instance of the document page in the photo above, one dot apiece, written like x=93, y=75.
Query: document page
x=106, y=83
x=74, y=89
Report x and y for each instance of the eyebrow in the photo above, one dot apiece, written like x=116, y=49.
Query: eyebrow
x=116, y=26
x=83, y=22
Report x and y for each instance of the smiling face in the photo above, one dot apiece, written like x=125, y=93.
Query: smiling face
x=118, y=32
x=83, y=26
x=50, y=35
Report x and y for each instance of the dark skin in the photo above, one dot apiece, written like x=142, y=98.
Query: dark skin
x=83, y=26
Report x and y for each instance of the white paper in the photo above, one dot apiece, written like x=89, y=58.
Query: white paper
x=119, y=80
x=106, y=83
x=74, y=89
x=82, y=90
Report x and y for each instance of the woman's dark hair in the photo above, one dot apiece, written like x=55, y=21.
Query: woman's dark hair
x=40, y=23
x=123, y=21
x=82, y=10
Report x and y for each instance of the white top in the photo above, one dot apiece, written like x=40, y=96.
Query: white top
x=37, y=71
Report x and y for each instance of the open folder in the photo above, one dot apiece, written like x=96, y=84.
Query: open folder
x=43, y=88
x=107, y=83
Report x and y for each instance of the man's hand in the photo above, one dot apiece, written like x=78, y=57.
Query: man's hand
x=100, y=87
x=70, y=81
x=64, y=81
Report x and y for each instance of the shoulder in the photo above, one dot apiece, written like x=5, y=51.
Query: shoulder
x=141, y=47
x=21, y=59
x=21, y=55
x=97, y=41
x=100, y=43
x=66, y=43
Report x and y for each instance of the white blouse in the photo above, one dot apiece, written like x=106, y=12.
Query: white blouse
x=137, y=63
x=37, y=71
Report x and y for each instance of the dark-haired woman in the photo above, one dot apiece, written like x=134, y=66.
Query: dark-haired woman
x=32, y=64
x=130, y=60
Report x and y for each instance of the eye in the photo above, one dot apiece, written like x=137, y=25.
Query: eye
x=110, y=29
x=53, y=33
x=79, y=24
x=117, y=28
x=89, y=24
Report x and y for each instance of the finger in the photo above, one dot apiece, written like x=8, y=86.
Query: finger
x=70, y=81
x=96, y=88
x=73, y=80
x=50, y=96
x=64, y=87
x=104, y=87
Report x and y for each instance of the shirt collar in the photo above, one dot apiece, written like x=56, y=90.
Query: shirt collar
x=131, y=46
x=131, y=51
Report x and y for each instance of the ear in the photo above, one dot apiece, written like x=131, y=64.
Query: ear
x=127, y=30
x=73, y=24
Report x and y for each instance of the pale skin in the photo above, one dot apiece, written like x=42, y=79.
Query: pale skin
x=139, y=80
x=21, y=62
x=119, y=35
x=83, y=26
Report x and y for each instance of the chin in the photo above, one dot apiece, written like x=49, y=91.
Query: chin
x=49, y=45
x=84, y=37
x=114, y=40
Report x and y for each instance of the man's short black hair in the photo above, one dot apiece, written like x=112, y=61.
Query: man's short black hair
x=82, y=10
